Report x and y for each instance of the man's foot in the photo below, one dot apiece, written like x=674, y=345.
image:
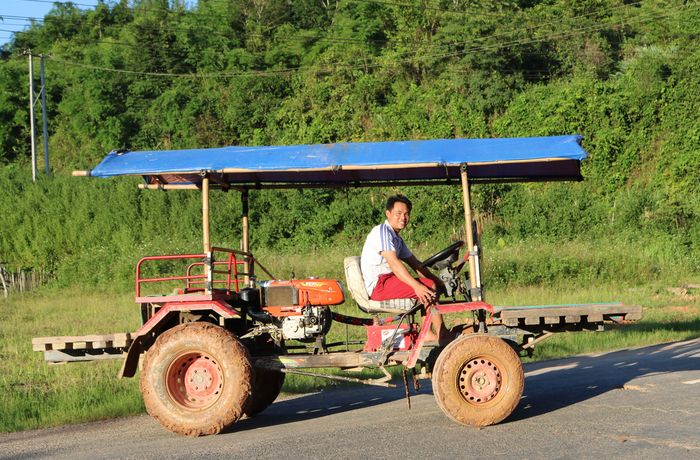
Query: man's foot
x=443, y=339
x=430, y=337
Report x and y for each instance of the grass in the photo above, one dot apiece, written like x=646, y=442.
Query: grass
x=33, y=394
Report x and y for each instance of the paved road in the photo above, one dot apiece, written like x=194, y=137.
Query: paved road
x=634, y=404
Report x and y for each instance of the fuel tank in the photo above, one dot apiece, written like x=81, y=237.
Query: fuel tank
x=311, y=291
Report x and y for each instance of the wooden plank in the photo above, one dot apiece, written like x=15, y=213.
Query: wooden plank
x=594, y=312
x=118, y=340
x=551, y=319
x=532, y=320
x=572, y=319
x=634, y=313
x=58, y=356
x=595, y=318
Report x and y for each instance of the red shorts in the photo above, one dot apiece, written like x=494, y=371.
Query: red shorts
x=389, y=286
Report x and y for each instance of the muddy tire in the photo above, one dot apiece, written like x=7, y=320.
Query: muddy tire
x=197, y=379
x=268, y=385
x=478, y=380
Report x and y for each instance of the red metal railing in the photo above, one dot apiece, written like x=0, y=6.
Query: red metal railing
x=231, y=272
x=208, y=279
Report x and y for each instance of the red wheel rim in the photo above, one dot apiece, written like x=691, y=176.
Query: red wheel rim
x=479, y=381
x=194, y=380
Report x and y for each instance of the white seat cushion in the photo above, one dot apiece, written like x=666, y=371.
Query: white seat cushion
x=356, y=286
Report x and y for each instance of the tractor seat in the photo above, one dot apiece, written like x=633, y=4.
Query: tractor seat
x=356, y=286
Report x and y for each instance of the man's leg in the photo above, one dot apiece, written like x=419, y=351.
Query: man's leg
x=439, y=326
x=391, y=287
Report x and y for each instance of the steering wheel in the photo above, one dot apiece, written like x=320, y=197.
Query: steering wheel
x=446, y=253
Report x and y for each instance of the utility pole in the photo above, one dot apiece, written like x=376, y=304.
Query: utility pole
x=44, y=119
x=31, y=113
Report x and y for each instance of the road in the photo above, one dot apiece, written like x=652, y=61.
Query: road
x=633, y=404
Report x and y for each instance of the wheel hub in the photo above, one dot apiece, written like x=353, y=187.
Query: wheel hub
x=195, y=380
x=479, y=381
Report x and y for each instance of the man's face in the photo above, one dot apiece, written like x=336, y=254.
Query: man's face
x=398, y=216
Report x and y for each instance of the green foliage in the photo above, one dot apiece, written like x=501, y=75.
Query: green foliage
x=270, y=72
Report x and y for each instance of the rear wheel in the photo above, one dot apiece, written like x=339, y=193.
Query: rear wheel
x=197, y=379
x=478, y=380
x=268, y=383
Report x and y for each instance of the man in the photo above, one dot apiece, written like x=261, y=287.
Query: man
x=385, y=275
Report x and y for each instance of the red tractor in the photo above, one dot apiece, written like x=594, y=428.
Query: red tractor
x=218, y=346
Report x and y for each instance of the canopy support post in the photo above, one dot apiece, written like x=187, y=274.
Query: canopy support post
x=473, y=265
x=245, y=238
x=205, y=213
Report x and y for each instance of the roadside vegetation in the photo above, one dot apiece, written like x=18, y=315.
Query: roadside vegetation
x=154, y=74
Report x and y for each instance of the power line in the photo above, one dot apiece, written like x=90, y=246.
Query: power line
x=482, y=46
x=427, y=8
x=63, y=3
x=183, y=27
x=328, y=69
x=173, y=75
x=24, y=18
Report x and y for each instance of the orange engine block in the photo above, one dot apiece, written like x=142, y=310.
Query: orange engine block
x=311, y=291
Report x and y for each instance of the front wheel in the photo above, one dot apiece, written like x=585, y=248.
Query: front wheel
x=478, y=380
x=197, y=379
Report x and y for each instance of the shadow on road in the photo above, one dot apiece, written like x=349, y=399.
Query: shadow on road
x=549, y=385
x=322, y=404
x=553, y=385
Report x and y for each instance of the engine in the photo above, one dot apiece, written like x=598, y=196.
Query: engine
x=313, y=321
x=294, y=309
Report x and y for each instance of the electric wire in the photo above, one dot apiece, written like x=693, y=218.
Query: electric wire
x=344, y=39
x=329, y=69
x=179, y=27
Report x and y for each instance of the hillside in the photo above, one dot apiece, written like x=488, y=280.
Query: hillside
x=156, y=74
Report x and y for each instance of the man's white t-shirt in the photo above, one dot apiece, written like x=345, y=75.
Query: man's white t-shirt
x=381, y=238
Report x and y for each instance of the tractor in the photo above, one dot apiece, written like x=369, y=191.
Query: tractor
x=217, y=346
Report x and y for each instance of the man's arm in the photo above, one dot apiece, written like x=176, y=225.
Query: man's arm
x=424, y=293
x=421, y=270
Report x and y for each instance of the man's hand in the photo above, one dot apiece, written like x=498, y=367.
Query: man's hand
x=421, y=270
x=426, y=295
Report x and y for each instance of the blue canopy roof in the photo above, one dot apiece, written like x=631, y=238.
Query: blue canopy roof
x=532, y=158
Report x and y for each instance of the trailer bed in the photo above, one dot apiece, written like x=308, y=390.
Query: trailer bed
x=540, y=315
x=83, y=348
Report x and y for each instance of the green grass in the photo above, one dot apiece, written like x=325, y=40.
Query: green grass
x=34, y=394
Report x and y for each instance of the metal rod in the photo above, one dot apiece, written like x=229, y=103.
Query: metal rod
x=351, y=184
x=31, y=114
x=44, y=118
x=468, y=225
x=267, y=272
x=245, y=237
x=209, y=287
x=379, y=383
x=542, y=337
x=205, y=214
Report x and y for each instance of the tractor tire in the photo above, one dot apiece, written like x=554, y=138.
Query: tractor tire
x=197, y=379
x=268, y=385
x=478, y=380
